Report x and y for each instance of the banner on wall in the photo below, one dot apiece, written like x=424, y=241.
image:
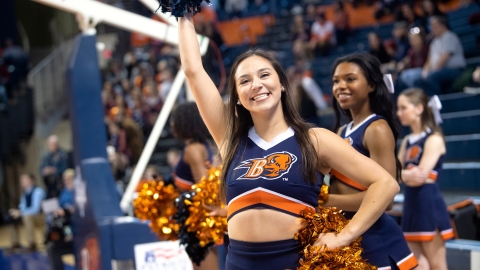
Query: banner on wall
x=167, y=255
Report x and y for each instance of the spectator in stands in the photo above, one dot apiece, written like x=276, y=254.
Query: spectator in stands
x=468, y=81
x=299, y=29
x=29, y=210
x=340, y=21
x=474, y=87
x=59, y=234
x=300, y=33
x=141, y=114
x=235, y=8
x=411, y=66
x=151, y=96
x=12, y=51
x=322, y=35
x=16, y=56
x=408, y=15
x=445, y=60
x=430, y=8
x=385, y=7
x=115, y=73
x=400, y=37
x=377, y=48
x=129, y=61
x=53, y=164
x=165, y=85
x=119, y=155
x=310, y=15
x=134, y=136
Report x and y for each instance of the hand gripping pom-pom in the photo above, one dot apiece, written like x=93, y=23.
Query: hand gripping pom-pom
x=180, y=7
x=198, y=230
x=328, y=220
x=155, y=202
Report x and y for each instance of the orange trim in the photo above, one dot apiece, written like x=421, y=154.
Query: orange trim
x=433, y=175
x=347, y=180
x=263, y=197
x=419, y=238
x=454, y=228
x=459, y=205
x=448, y=235
x=410, y=263
x=180, y=183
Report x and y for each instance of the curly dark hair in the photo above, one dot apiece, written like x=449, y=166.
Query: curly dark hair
x=187, y=124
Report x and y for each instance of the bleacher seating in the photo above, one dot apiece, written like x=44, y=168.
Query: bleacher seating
x=460, y=111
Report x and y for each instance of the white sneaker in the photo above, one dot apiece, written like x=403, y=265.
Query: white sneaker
x=471, y=90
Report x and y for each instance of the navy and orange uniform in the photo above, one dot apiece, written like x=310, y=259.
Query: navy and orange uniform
x=268, y=175
x=424, y=210
x=383, y=243
x=183, y=174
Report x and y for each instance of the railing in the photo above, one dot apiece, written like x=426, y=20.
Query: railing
x=48, y=80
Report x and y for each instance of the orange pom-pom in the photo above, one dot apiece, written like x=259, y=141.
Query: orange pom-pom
x=208, y=229
x=328, y=220
x=155, y=202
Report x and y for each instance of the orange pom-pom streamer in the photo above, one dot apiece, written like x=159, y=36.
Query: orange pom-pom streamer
x=155, y=202
x=208, y=229
x=328, y=220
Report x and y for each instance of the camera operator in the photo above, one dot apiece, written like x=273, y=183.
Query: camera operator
x=59, y=233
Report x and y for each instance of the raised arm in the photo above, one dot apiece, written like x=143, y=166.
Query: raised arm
x=381, y=186
x=209, y=101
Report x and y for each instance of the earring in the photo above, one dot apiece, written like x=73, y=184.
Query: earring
x=238, y=102
x=283, y=89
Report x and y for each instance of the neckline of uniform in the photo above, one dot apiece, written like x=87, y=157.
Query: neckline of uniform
x=252, y=134
x=348, y=128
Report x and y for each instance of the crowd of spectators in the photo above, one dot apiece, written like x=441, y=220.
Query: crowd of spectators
x=423, y=52
x=48, y=209
x=313, y=34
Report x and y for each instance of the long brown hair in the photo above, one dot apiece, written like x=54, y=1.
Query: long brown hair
x=239, y=121
x=418, y=97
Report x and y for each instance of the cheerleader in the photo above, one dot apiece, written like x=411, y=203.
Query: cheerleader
x=361, y=94
x=188, y=126
x=273, y=162
x=426, y=223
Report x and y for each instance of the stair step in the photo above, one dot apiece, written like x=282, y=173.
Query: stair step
x=463, y=147
x=463, y=176
x=461, y=123
x=459, y=102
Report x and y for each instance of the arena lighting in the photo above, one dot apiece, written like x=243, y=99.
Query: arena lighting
x=95, y=12
x=415, y=30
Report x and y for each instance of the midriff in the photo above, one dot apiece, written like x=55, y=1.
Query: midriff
x=263, y=225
